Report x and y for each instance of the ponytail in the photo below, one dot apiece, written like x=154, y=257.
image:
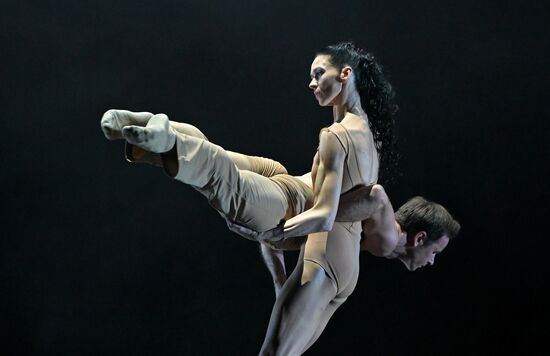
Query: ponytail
x=378, y=101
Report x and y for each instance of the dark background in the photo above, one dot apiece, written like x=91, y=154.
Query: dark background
x=100, y=257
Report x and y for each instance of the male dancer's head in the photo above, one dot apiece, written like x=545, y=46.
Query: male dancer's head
x=426, y=228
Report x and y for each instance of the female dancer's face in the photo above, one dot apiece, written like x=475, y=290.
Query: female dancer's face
x=325, y=80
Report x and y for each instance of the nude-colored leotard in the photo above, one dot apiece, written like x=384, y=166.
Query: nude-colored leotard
x=337, y=251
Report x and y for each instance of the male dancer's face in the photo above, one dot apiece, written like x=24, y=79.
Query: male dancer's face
x=423, y=253
x=325, y=80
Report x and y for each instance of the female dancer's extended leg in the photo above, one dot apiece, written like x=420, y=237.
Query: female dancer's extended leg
x=113, y=121
x=241, y=196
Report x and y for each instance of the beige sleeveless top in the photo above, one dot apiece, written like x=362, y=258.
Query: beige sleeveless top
x=356, y=172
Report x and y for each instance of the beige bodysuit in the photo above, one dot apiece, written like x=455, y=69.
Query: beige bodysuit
x=337, y=251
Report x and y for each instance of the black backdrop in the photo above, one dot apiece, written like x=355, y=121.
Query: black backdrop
x=102, y=257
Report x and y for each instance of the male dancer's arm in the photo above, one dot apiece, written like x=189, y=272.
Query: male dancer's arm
x=371, y=205
x=360, y=203
x=275, y=262
x=368, y=204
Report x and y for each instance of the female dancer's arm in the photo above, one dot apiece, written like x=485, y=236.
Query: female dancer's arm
x=328, y=185
x=327, y=189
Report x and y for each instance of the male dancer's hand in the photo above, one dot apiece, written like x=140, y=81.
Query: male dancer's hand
x=290, y=244
x=245, y=232
x=269, y=237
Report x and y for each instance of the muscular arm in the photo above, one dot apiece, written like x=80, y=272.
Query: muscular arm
x=371, y=205
x=380, y=235
x=328, y=185
x=275, y=262
x=357, y=204
x=354, y=205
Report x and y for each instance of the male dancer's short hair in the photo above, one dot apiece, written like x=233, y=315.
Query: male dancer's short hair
x=420, y=214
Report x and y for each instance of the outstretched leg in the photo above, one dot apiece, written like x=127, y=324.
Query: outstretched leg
x=239, y=195
x=114, y=121
x=299, y=310
x=157, y=136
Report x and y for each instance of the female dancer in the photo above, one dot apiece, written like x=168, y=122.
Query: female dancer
x=347, y=79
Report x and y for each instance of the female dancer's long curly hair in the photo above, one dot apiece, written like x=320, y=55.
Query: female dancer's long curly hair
x=377, y=99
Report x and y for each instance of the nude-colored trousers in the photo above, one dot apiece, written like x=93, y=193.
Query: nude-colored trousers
x=242, y=196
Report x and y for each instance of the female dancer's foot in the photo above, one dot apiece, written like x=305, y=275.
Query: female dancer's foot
x=113, y=121
x=157, y=136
